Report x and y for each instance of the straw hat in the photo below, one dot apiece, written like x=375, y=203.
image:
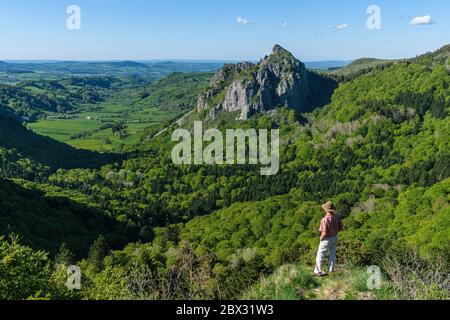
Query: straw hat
x=328, y=207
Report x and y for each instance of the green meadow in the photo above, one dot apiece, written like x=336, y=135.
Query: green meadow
x=90, y=128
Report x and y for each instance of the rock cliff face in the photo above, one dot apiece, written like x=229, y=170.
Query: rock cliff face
x=278, y=80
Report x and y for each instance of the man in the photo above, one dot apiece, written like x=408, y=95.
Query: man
x=330, y=226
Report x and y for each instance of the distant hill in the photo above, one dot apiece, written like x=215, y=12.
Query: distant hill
x=96, y=66
x=56, y=69
x=327, y=64
x=126, y=64
x=184, y=66
x=361, y=64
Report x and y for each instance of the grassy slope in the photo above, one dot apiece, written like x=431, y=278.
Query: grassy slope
x=296, y=282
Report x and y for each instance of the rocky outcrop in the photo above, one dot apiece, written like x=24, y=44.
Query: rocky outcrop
x=277, y=80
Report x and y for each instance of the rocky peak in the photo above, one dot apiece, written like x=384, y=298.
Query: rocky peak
x=278, y=80
x=277, y=48
x=280, y=51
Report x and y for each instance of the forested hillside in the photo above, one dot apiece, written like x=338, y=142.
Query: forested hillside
x=379, y=149
x=24, y=154
x=33, y=99
x=46, y=217
x=177, y=91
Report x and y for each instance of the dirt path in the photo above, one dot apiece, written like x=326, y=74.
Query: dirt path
x=332, y=288
x=177, y=122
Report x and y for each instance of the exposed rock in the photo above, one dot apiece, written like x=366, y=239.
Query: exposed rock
x=278, y=80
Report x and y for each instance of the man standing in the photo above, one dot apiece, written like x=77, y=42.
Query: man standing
x=330, y=226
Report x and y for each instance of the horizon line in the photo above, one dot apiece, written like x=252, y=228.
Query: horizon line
x=177, y=60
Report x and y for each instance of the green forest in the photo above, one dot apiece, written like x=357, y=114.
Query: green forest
x=375, y=141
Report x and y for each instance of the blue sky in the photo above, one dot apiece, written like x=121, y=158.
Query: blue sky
x=210, y=29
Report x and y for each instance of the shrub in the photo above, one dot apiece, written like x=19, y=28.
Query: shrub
x=415, y=277
x=354, y=252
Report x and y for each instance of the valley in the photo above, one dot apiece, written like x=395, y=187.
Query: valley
x=87, y=178
x=130, y=101
x=106, y=113
x=91, y=126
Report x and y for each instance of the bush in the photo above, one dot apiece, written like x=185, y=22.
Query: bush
x=415, y=277
x=354, y=252
x=27, y=274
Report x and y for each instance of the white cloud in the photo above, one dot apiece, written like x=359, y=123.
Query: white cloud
x=243, y=21
x=422, y=20
x=342, y=26
x=338, y=27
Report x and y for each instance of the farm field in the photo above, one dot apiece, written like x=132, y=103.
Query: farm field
x=91, y=127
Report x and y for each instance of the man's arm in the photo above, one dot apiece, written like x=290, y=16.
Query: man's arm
x=322, y=230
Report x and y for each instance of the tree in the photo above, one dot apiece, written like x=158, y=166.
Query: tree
x=24, y=273
x=98, y=251
x=65, y=256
